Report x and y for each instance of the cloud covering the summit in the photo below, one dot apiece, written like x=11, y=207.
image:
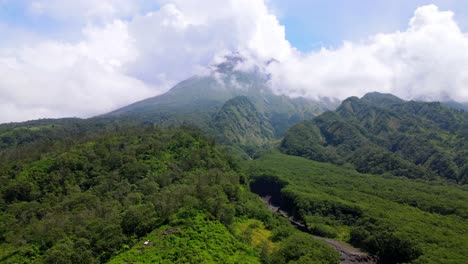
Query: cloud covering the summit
x=110, y=53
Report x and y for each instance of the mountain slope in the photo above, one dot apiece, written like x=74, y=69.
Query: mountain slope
x=197, y=99
x=457, y=105
x=239, y=122
x=381, y=133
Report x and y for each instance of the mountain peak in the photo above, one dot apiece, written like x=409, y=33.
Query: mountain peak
x=383, y=99
x=229, y=63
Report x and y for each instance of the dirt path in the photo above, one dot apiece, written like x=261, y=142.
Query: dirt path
x=348, y=254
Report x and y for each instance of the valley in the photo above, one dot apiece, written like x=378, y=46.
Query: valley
x=348, y=206
x=348, y=254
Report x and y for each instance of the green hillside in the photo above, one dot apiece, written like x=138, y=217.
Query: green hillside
x=239, y=122
x=96, y=197
x=398, y=219
x=91, y=197
x=191, y=238
x=383, y=134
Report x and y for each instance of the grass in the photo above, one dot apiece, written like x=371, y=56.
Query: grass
x=254, y=232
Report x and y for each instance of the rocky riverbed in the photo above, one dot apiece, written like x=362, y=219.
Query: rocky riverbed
x=348, y=254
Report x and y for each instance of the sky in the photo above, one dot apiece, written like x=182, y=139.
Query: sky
x=63, y=58
x=311, y=24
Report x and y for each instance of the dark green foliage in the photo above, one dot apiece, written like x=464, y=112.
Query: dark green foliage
x=302, y=248
x=19, y=190
x=383, y=240
x=92, y=197
x=45, y=133
x=18, y=134
x=381, y=133
x=239, y=122
x=105, y=190
x=305, y=139
x=139, y=220
x=400, y=220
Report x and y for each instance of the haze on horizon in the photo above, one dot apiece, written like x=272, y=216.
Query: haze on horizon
x=84, y=58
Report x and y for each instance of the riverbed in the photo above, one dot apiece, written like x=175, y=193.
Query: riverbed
x=348, y=253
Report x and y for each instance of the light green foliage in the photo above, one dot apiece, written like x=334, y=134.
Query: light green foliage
x=254, y=232
x=190, y=237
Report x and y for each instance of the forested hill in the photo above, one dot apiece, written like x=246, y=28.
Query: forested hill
x=88, y=198
x=240, y=122
x=381, y=133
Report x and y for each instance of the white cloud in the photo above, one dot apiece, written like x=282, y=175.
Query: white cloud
x=183, y=37
x=84, y=9
x=53, y=79
x=124, y=54
x=427, y=61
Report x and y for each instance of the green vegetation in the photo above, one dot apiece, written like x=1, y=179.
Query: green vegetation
x=94, y=197
x=190, y=237
x=239, y=122
x=89, y=198
x=398, y=219
x=93, y=191
x=254, y=232
x=18, y=134
x=383, y=134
